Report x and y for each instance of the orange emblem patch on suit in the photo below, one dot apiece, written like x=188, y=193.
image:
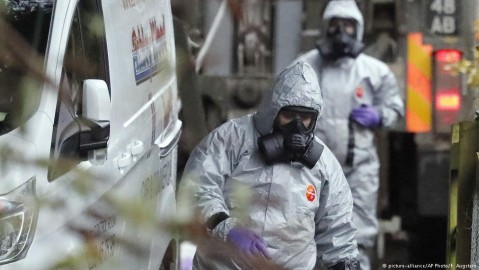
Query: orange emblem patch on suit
x=359, y=92
x=310, y=193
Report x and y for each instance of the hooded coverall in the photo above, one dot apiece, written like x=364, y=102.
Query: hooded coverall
x=347, y=83
x=302, y=214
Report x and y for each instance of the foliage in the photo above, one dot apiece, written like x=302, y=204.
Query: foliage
x=470, y=68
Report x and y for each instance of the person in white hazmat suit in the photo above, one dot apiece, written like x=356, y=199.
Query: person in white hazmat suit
x=300, y=205
x=360, y=95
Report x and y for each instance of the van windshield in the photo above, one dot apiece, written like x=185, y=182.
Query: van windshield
x=24, y=25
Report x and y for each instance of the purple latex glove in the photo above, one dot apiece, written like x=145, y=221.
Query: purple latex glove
x=248, y=242
x=367, y=116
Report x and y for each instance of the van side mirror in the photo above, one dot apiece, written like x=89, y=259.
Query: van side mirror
x=96, y=100
x=95, y=121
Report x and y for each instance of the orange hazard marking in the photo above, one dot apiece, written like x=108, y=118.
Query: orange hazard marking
x=419, y=67
x=419, y=83
x=310, y=193
x=419, y=54
x=416, y=123
x=418, y=112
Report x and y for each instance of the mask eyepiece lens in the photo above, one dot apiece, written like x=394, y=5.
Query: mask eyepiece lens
x=305, y=115
x=342, y=25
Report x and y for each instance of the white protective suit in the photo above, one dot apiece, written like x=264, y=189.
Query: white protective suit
x=346, y=83
x=298, y=227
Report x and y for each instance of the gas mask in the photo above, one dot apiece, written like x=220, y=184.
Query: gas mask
x=339, y=42
x=291, y=142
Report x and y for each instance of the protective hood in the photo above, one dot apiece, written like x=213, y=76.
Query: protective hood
x=343, y=9
x=297, y=85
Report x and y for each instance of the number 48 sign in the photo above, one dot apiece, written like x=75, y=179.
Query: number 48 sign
x=442, y=19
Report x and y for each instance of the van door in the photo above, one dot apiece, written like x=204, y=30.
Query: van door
x=145, y=102
x=129, y=45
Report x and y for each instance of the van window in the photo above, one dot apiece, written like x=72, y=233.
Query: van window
x=26, y=33
x=85, y=58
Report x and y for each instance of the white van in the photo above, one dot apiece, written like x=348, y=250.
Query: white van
x=105, y=117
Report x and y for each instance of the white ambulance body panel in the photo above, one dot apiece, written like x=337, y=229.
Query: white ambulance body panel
x=113, y=168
